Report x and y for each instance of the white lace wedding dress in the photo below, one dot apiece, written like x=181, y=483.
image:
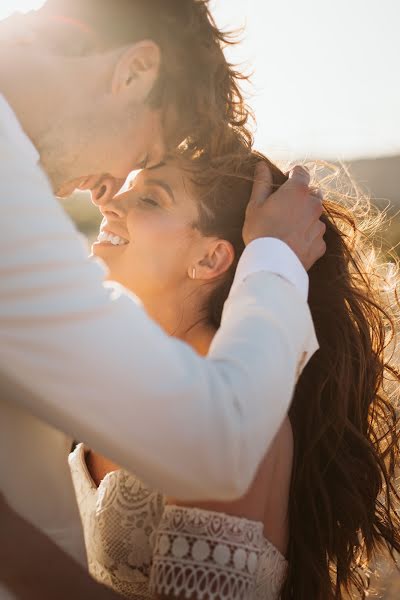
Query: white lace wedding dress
x=141, y=548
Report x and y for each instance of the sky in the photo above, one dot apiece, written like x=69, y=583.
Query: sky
x=326, y=79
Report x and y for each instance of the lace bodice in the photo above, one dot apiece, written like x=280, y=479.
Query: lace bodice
x=140, y=547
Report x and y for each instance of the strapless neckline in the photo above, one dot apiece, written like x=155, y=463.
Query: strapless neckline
x=122, y=519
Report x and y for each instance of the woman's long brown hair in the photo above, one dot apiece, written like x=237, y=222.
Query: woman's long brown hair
x=343, y=498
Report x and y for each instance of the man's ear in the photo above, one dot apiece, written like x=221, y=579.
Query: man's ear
x=217, y=261
x=137, y=70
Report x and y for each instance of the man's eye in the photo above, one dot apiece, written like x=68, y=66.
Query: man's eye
x=148, y=200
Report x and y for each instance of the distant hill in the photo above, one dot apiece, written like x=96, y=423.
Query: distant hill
x=380, y=177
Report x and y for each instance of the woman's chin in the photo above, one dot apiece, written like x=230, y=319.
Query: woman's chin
x=103, y=250
x=94, y=248
x=100, y=251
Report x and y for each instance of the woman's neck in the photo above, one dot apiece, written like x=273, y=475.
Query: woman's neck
x=200, y=337
x=185, y=319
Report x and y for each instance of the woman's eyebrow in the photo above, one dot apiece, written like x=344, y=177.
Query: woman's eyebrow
x=164, y=186
x=157, y=166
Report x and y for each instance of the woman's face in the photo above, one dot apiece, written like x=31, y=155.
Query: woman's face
x=147, y=238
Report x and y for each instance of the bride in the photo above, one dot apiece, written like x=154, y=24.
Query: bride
x=316, y=509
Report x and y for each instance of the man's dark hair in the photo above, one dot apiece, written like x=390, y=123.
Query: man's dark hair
x=196, y=83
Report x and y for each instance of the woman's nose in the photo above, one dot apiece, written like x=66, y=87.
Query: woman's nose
x=105, y=190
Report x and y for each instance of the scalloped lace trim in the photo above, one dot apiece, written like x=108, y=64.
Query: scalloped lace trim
x=131, y=537
x=213, y=556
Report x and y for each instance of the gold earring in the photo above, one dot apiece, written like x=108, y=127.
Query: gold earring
x=194, y=273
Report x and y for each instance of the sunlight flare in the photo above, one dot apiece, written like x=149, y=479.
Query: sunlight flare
x=7, y=7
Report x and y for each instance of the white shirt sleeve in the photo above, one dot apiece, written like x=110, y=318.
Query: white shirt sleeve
x=100, y=370
x=273, y=256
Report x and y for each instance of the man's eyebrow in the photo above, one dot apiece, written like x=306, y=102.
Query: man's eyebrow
x=164, y=186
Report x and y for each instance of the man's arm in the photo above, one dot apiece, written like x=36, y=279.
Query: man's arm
x=32, y=567
x=102, y=371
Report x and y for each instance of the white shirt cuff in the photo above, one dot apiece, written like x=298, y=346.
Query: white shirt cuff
x=274, y=256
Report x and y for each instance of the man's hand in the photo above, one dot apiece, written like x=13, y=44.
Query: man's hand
x=291, y=214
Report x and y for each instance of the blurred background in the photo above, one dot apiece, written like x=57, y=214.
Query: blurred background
x=325, y=85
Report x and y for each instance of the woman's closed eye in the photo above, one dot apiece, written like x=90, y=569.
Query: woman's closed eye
x=149, y=201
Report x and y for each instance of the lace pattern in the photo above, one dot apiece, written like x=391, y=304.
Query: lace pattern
x=139, y=547
x=271, y=573
x=209, y=554
x=120, y=519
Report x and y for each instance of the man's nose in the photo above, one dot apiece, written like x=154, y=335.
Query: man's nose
x=105, y=191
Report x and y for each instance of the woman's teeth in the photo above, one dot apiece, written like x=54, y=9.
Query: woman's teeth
x=110, y=238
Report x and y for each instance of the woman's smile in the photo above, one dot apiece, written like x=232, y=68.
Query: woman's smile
x=106, y=237
x=157, y=211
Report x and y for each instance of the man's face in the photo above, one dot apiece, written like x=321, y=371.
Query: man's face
x=109, y=139
x=95, y=119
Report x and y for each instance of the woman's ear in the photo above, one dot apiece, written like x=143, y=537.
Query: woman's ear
x=217, y=261
x=137, y=70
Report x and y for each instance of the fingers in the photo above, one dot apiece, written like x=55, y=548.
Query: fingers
x=322, y=227
x=314, y=191
x=316, y=205
x=300, y=175
x=320, y=249
x=292, y=213
x=317, y=242
x=316, y=231
x=262, y=183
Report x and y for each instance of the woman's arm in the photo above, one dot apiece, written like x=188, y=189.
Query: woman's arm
x=32, y=567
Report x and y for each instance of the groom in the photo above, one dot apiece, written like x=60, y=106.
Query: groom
x=90, y=90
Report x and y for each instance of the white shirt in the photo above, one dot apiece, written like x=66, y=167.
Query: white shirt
x=84, y=359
